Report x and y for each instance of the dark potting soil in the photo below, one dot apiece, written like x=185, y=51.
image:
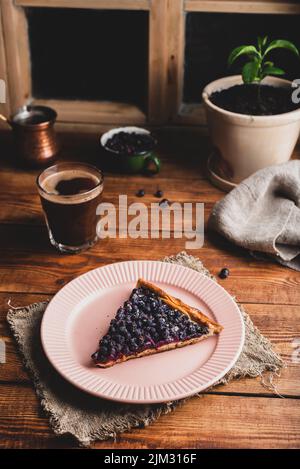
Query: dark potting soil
x=255, y=100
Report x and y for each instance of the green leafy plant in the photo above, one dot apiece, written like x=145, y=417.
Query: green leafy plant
x=258, y=66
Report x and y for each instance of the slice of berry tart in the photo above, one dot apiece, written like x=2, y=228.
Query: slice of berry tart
x=151, y=321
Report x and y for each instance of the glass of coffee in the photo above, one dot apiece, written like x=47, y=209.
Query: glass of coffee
x=70, y=194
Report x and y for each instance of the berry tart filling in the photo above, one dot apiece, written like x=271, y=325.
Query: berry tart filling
x=151, y=321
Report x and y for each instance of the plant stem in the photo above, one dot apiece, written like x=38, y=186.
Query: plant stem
x=259, y=94
x=259, y=82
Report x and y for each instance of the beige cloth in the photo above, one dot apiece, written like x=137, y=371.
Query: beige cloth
x=88, y=418
x=262, y=214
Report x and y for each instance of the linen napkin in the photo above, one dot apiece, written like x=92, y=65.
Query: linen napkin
x=262, y=214
x=89, y=418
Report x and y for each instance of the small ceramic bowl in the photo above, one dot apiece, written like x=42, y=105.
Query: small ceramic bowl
x=144, y=162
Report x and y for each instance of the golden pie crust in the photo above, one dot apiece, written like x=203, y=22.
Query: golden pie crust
x=193, y=313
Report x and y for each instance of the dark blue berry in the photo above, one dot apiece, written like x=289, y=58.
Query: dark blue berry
x=120, y=339
x=141, y=340
x=121, y=314
x=118, y=347
x=133, y=345
x=159, y=194
x=224, y=273
x=161, y=320
x=140, y=193
x=135, y=314
x=128, y=306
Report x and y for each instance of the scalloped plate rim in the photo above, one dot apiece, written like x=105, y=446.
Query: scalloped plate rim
x=178, y=395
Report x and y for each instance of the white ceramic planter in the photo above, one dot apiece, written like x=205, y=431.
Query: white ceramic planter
x=244, y=144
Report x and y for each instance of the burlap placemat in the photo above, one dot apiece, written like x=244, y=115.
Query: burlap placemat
x=88, y=418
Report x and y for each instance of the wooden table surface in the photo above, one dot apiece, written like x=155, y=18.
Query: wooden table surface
x=242, y=414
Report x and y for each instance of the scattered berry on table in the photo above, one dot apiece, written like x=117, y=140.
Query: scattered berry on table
x=140, y=193
x=224, y=273
x=159, y=194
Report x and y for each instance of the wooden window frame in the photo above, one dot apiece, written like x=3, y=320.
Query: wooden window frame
x=166, y=59
x=190, y=114
x=5, y=106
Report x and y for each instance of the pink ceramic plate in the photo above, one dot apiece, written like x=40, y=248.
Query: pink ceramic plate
x=80, y=314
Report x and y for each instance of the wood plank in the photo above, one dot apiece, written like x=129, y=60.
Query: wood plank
x=27, y=209
x=4, y=100
x=29, y=264
x=88, y=128
x=281, y=324
x=221, y=422
x=94, y=112
x=23, y=205
x=191, y=114
x=175, y=65
x=235, y=6
x=180, y=151
x=207, y=422
x=157, y=75
x=91, y=4
x=23, y=184
x=26, y=249
x=183, y=152
x=17, y=54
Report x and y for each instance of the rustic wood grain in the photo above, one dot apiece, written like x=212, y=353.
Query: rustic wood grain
x=217, y=422
x=5, y=106
x=93, y=4
x=172, y=149
x=241, y=414
x=157, y=71
x=235, y=6
x=45, y=270
x=94, y=112
x=17, y=54
x=176, y=55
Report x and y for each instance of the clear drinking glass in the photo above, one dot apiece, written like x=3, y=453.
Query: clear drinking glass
x=70, y=194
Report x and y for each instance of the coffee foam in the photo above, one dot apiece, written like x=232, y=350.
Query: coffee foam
x=51, y=181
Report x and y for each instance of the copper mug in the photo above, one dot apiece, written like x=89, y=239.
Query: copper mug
x=34, y=134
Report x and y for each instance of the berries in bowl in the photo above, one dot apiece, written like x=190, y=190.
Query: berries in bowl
x=130, y=150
